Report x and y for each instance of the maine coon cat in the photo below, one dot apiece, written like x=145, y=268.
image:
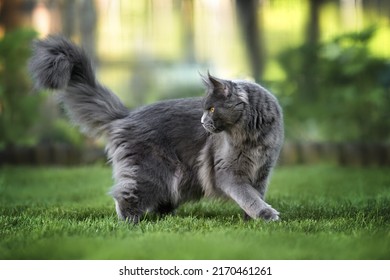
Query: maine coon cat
x=225, y=144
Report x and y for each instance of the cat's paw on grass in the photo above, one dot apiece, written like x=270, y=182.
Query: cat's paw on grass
x=269, y=214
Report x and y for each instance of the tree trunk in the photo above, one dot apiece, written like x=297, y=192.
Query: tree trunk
x=188, y=26
x=10, y=14
x=88, y=19
x=247, y=11
x=310, y=67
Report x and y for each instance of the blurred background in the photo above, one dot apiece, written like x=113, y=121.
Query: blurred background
x=327, y=61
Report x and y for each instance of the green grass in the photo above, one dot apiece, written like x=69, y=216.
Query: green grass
x=65, y=213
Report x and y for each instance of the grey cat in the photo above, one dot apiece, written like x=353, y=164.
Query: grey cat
x=225, y=144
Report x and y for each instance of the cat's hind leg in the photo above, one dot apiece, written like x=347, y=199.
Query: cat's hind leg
x=134, y=199
x=127, y=200
x=149, y=185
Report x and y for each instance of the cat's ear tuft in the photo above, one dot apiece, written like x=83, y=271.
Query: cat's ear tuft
x=220, y=86
x=211, y=82
x=216, y=83
x=205, y=80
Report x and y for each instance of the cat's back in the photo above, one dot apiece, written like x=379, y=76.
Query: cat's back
x=189, y=107
x=169, y=115
x=173, y=125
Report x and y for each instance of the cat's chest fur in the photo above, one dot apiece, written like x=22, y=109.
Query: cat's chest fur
x=220, y=157
x=242, y=161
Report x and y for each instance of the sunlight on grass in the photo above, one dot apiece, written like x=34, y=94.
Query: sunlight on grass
x=65, y=213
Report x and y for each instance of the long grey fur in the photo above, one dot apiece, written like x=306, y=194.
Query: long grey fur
x=60, y=65
x=225, y=144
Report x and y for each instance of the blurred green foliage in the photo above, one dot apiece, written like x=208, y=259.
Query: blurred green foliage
x=27, y=118
x=59, y=130
x=18, y=107
x=336, y=90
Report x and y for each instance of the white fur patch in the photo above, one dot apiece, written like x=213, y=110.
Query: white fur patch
x=203, y=119
x=175, y=195
x=118, y=211
x=204, y=172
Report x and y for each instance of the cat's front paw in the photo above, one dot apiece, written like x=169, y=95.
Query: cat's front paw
x=269, y=214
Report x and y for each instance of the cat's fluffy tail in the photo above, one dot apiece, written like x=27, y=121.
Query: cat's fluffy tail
x=58, y=64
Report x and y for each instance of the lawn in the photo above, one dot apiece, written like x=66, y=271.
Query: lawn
x=327, y=212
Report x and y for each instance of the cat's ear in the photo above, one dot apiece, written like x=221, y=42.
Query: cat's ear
x=220, y=86
x=205, y=80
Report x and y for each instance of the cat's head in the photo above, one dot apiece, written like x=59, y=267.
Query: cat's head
x=223, y=104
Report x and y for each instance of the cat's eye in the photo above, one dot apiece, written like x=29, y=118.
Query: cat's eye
x=212, y=109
